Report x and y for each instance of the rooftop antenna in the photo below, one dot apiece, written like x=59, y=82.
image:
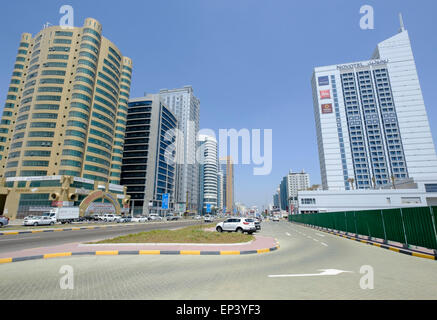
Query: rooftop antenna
x=401, y=20
x=46, y=25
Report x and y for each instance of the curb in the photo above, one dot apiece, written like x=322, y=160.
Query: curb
x=376, y=244
x=7, y=233
x=136, y=252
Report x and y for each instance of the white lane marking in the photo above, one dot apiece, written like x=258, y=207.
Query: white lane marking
x=325, y=272
x=19, y=239
x=320, y=235
x=324, y=244
x=316, y=240
x=288, y=234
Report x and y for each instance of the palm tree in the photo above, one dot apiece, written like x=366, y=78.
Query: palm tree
x=393, y=181
x=351, y=181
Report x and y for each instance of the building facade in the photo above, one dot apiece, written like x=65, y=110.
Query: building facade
x=227, y=168
x=208, y=167
x=184, y=104
x=220, y=203
x=404, y=194
x=296, y=181
x=65, y=115
x=371, y=122
x=149, y=168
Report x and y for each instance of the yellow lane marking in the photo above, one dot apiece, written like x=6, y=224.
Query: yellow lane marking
x=229, y=252
x=422, y=255
x=107, y=253
x=5, y=260
x=195, y=252
x=263, y=250
x=55, y=255
x=394, y=249
x=150, y=252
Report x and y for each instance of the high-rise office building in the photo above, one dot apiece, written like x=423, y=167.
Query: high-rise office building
x=208, y=166
x=227, y=168
x=65, y=115
x=220, y=203
x=371, y=122
x=149, y=168
x=184, y=104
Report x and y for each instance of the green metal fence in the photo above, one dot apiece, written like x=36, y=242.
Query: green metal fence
x=411, y=226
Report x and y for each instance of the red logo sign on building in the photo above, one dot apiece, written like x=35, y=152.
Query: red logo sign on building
x=327, y=108
x=325, y=94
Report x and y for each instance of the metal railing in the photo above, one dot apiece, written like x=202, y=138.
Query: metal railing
x=410, y=226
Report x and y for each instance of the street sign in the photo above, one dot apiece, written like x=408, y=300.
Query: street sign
x=165, y=197
x=208, y=208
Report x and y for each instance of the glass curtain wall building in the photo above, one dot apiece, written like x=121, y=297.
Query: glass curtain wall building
x=148, y=169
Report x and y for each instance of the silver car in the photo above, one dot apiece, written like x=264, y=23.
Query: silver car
x=3, y=221
x=38, y=221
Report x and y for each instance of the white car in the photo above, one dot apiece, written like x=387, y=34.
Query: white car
x=208, y=219
x=139, y=219
x=38, y=221
x=197, y=217
x=154, y=217
x=275, y=218
x=109, y=217
x=237, y=224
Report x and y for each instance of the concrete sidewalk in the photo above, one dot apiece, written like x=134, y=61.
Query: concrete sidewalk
x=259, y=245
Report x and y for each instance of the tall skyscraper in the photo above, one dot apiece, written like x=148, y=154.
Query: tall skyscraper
x=65, y=112
x=149, y=168
x=371, y=122
x=207, y=149
x=227, y=168
x=220, y=203
x=185, y=106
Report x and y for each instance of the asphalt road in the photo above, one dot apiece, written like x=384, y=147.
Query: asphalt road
x=304, y=252
x=17, y=242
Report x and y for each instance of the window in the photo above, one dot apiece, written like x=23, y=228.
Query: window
x=411, y=200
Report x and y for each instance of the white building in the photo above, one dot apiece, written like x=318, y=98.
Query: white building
x=371, y=121
x=408, y=193
x=296, y=181
x=185, y=106
x=375, y=145
x=207, y=151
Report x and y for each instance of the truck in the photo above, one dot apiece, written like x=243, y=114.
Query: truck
x=64, y=214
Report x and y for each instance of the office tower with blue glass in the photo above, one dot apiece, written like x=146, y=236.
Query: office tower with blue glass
x=149, y=169
x=371, y=122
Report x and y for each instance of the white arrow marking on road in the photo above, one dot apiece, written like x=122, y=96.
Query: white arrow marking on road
x=288, y=234
x=324, y=244
x=325, y=272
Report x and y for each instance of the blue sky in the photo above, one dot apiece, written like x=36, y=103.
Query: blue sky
x=249, y=61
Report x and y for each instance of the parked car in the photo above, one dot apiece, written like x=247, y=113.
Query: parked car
x=172, y=218
x=139, y=219
x=154, y=216
x=38, y=221
x=257, y=223
x=4, y=221
x=122, y=219
x=208, y=219
x=109, y=217
x=197, y=217
x=275, y=218
x=237, y=225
